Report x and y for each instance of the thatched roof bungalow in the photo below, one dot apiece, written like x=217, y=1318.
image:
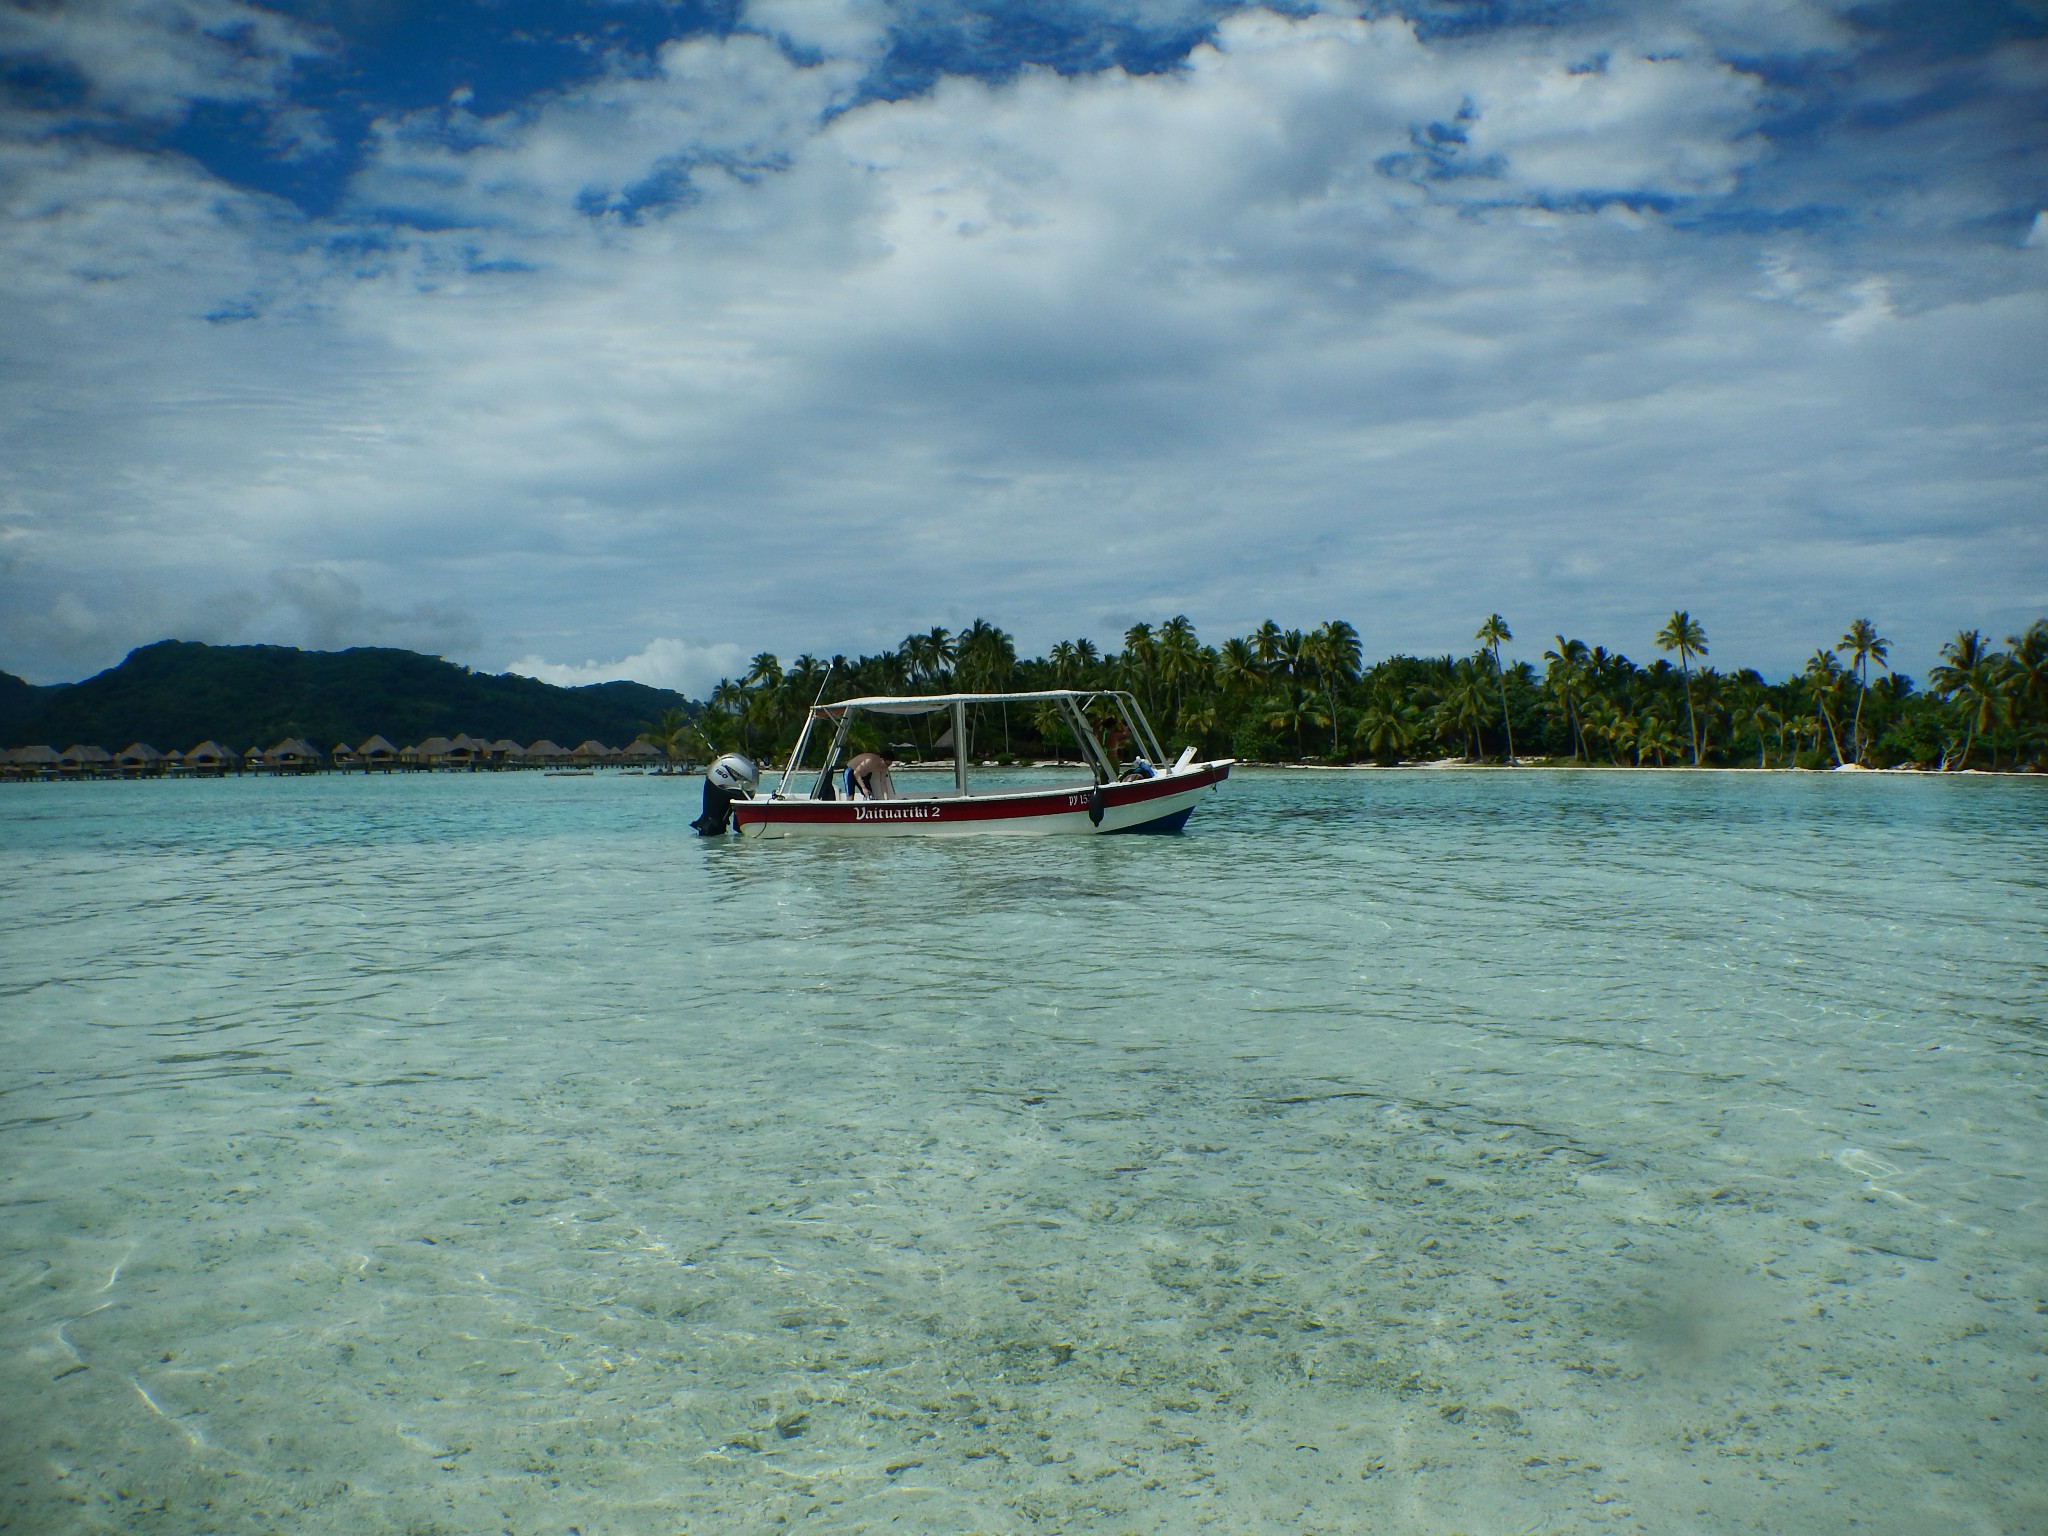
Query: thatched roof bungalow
x=209, y=757
x=641, y=751
x=507, y=751
x=377, y=753
x=428, y=753
x=545, y=751
x=466, y=751
x=592, y=752
x=85, y=759
x=31, y=762
x=139, y=757
x=292, y=755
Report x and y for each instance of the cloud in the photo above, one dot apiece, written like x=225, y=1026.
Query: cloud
x=1342, y=317
x=155, y=58
x=662, y=663
x=331, y=611
x=858, y=29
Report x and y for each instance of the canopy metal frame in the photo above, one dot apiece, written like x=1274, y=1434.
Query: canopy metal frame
x=1073, y=705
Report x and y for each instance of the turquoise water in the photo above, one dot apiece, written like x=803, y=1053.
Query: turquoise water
x=1395, y=1152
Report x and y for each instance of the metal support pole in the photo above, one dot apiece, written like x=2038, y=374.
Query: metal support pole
x=1084, y=735
x=960, y=748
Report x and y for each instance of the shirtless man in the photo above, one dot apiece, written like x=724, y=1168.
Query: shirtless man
x=867, y=778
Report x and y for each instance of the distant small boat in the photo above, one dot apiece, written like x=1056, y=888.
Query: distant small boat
x=1138, y=796
x=570, y=773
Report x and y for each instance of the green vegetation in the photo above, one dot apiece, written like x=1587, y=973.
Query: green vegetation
x=177, y=693
x=1284, y=695
x=1272, y=695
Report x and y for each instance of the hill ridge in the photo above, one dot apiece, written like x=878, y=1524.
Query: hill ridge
x=174, y=694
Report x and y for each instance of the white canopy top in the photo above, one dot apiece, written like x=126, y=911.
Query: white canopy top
x=927, y=703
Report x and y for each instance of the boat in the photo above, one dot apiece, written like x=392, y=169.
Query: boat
x=1141, y=795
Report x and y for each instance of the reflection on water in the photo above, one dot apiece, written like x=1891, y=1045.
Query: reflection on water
x=1403, y=1152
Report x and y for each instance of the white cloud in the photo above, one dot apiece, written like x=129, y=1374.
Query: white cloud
x=153, y=58
x=855, y=29
x=1326, y=323
x=663, y=662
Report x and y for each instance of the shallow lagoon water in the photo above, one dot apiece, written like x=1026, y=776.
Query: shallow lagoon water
x=1394, y=1152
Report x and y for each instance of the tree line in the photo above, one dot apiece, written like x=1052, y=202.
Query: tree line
x=1306, y=695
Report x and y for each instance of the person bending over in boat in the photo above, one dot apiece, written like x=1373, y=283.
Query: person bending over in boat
x=867, y=778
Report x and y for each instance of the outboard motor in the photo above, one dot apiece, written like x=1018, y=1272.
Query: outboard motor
x=731, y=778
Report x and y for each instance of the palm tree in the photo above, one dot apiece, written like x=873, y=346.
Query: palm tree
x=929, y=656
x=1957, y=658
x=1863, y=645
x=1965, y=666
x=1387, y=728
x=1266, y=641
x=1654, y=737
x=1464, y=706
x=1490, y=635
x=1566, y=677
x=1065, y=663
x=1199, y=720
x=1622, y=731
x=1140, y=663
x=1604, y=720
x=1684, y=635
x=729, y=701
x=2026, y=675
x=1293, y=658
x=764, y=671
x=1334, y=651
x=666, y=734
x=1294, y=709
x=2027, y=663
x=1824, y=676
x=1978, y=681
x=985, y=657
x=1179, y=654
x=1238, y=669
x=1050, y=721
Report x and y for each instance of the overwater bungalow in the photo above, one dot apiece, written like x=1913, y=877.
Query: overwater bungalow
x=376, y=753
x=32, y=762
x=426, y=754
x=591, y=753
x=545, y=752
x=209, y=757
x=292, y=755
x=641, y=752
x=508, y=753
x=139, y=758
x=466, y=751
x=85, y=761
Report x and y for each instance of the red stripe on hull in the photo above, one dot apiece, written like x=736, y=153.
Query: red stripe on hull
x=911, y=814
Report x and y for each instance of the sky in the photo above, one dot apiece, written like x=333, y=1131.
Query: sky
x=630, y=338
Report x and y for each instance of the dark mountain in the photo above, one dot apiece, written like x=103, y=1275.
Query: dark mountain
x=178, y=693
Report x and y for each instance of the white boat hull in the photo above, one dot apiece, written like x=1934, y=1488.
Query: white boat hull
x=1158, y=804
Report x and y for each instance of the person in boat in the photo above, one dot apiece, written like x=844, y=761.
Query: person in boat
x=867, y=778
